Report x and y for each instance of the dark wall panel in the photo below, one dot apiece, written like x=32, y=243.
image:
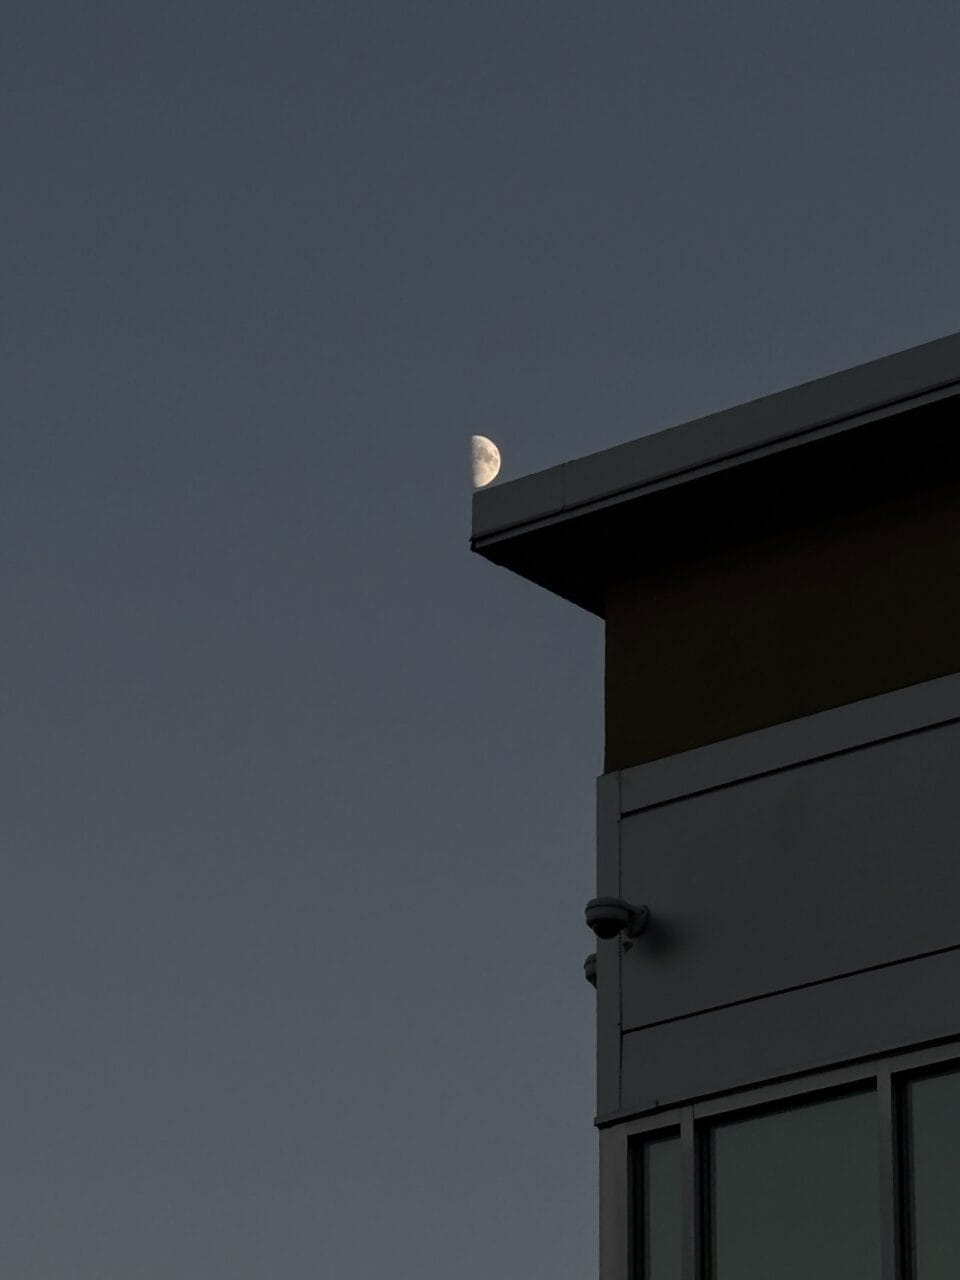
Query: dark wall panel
x=804, y=892
x=794, y=877
x=871, y=1013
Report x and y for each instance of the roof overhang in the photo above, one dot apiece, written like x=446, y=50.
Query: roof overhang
x=575, y=527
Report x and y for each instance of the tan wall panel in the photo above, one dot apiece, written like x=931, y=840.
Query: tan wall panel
x=783, y=622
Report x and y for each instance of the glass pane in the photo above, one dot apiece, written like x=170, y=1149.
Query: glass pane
x=933, y=1131
x=793, y=1194
x=660, y=1209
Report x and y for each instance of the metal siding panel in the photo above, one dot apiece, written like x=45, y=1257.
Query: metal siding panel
x=794, y=877
x=857, y=1017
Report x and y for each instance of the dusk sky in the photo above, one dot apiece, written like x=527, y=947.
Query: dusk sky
x=297, y=796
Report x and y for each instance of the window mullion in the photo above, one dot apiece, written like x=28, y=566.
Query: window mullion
x=691, y=1211
x=891, y=1225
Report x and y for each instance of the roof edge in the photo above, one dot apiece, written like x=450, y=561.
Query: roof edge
x=717, y=441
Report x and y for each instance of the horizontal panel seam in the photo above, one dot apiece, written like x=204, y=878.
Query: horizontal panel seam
x=800, y=986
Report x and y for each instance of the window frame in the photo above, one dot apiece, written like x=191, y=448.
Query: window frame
x=887, y=1077
x=637, y=1189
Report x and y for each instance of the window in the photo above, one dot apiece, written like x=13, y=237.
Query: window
x=658, y=1188
x=793, y=1194
x=932, y=1124
x=846, y=1174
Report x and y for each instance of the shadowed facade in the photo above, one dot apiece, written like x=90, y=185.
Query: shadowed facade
x=779, y=587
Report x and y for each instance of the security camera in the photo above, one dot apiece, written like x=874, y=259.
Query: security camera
x=609, y=916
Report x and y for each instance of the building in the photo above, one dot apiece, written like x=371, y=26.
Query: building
x=778, y=1040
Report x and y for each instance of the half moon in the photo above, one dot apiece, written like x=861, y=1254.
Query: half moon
x=484, y=461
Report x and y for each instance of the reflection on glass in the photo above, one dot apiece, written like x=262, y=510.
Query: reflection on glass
x=793, y=1194
x=933, y=1178
x=660, y=1209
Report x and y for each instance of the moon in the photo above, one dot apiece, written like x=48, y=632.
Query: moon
x=484, y=461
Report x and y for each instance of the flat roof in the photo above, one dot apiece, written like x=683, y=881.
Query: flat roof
x=555, y=526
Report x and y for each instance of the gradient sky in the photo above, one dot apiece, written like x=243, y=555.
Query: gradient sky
x=297, y=795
